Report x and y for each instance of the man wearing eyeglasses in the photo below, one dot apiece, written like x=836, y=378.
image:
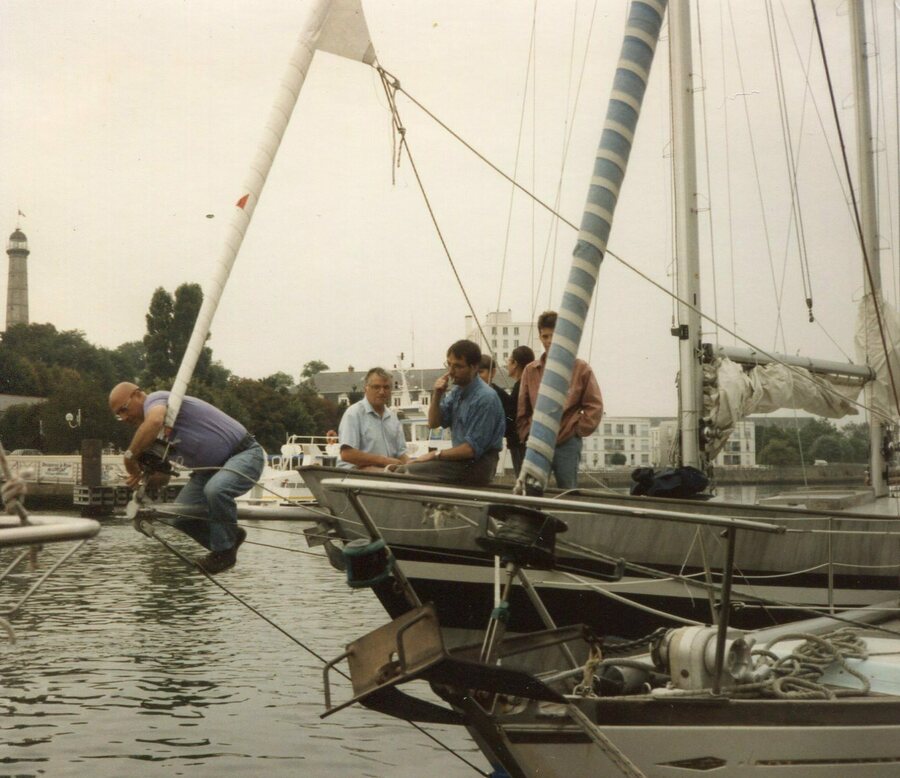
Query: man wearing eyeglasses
x=472, y=411
x=225, y=459
x=370, y=434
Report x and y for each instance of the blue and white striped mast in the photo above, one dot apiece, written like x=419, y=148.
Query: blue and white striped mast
x=629, y=85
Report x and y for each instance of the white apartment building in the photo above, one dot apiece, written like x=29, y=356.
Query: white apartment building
x=739, y=449
x=502, y=335
x=617, y=437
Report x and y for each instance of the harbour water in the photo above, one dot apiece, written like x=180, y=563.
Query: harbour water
x=130, y=663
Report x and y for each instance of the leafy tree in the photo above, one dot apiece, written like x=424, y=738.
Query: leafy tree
x=44, y=346
x=170, y=322
x=779, y=453
x=857, y=437
x=157, y=342
x=311, y=368
x=18, y=375
x=20, y=427
x=811, y=430
x=279, y=381
x=217, y=374
x=618, y=459
x=765, y=433
x=130, y=359
x=831, y=448
x=271, y=414
x=44, y=426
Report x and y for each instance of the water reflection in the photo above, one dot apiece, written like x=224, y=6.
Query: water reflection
x=128, y=662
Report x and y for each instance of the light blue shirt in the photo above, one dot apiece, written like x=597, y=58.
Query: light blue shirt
x=475, y=416
x=363, y=429
x=203, y=436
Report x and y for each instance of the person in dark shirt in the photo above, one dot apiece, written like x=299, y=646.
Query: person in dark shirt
x=515, y=366
x=487, y=370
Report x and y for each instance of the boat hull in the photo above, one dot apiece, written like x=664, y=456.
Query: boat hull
x=663, y=739
x=824, y=561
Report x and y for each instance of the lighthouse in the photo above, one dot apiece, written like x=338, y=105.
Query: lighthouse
x=17, y=285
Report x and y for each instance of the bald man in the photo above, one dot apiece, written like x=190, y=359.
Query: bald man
x=225, y=459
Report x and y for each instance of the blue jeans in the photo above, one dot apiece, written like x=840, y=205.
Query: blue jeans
x=565, y=463
x=216, y=489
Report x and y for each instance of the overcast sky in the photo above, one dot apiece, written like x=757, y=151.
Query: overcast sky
x=124, y=124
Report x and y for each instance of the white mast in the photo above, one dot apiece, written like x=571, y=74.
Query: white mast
x=686, y=241
x=338, y=27
x=868, y=216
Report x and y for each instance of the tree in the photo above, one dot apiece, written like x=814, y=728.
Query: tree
x=43, y=346
x=779, y=453
x=279, y=381
x=18, y=374
x=170, y=323
x=857, y=436
x=130, y=359
x=618, y=459
x=311, y=368
x=811, y=430
x=269, y=413
x=831, y=448
x=44, y=426
x=157, y=341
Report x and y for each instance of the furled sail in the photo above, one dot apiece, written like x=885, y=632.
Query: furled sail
x=732, y=392
x=871, y=348
x=629, y=85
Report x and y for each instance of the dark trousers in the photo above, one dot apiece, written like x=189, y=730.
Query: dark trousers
x=470, y=472
x=518, y=457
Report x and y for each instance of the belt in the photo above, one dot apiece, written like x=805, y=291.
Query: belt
x=248, y=441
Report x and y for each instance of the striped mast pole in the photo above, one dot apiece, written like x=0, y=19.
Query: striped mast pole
x=629, y=85
x=337, y=26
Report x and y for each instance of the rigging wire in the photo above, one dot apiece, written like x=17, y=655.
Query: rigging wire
x=728, y=173
x=553, y=233
x=810, y=94
x=759, y=193
x=397, y=87
x=512, y=191
x=876, y=303
x=391, y=86
x=709, y=220
x=790, y=162
x=301, y=644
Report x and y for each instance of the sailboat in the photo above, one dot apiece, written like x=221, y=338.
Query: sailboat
x=820, y=697
x=543, y=701
x=838, y=551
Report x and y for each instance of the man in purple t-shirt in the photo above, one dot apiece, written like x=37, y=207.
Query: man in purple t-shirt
x=226, y=461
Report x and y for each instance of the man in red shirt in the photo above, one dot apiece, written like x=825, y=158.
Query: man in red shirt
x=582, y=410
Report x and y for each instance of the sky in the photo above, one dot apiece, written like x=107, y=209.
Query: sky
x=126, y=130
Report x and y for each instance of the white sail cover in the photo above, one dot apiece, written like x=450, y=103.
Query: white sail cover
x=731, y=393
x=871, y=348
